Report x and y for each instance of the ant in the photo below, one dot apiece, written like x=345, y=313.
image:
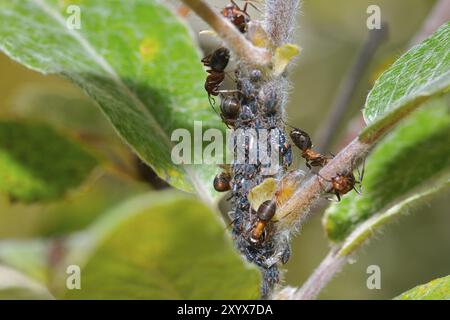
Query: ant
x=237, y=16
x=217, y=62
x=342, y=184
x=303, y=141
x=229, y=109
x=222, y=182
x=265, y=213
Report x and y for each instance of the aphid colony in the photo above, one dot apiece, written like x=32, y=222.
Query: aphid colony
x=254, y=104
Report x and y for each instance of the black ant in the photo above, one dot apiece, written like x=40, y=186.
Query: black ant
x=222, y=182
x=266, y=212
x=217, y=62
x=303, y=141
x=342, y=184
x=237, y=16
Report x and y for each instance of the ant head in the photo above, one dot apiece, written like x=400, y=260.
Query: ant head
x=301, y=139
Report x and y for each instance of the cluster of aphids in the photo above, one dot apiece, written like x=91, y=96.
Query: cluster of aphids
x=255, y=104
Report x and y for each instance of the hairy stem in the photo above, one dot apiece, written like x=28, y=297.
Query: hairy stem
x=295, y=210
x=340, y=254
x=331, y=265
x=234, y=40
x=279, y=20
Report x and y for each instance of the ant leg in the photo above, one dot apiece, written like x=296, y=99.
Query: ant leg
x=231, y=224
x=338, y=196
x=356, y=190
x=361, y=176
x=212, y=104
x=250, y=2
x=229, y=76
x=308, y=165
x=228, y=91
x=244, y=9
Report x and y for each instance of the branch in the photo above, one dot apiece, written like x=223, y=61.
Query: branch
x=295, y=210
x=340, y=254
x=244, y=50
x=279, y=20
x=327, y=269
x=348, y=86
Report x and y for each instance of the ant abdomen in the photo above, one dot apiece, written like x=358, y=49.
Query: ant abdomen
x=222, y=182
x=230, y=108
x=301, y=139
x=267, y=210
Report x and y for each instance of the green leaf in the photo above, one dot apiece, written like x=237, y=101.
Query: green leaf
x=419, y=74
x=14, y=285
x=77, y=210
x=438, y=289
x=369, y=227
x=30, y=257
x=135, y=58
x=38, y=163
x=410, y=157
x=163, y=245
x=62, y=107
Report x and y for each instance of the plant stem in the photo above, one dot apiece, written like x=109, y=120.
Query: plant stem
x=348, y=86
x=340, y=254
x=243, y=49
x=331, y=265
x=279, y=20
x=295, y=210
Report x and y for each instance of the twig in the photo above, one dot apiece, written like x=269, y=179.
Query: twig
x=243, y=49
x=348, y=86
x=438, y=16
x=331, y=265
x=295, y=210
x=339, y=254
x=279, y=20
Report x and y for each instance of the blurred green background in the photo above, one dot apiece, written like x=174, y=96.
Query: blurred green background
x=415, y=250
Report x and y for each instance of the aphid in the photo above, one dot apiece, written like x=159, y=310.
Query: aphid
x=302, y=140
x=217, y=62
x=265, y=213
x=342, y=184
x=222, y=182
x=237, y=16
x=270, y=102
x=246, y=114
x=255, y=75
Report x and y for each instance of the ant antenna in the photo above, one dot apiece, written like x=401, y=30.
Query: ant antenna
x=282, y=120
x=231, y=223
x=212, y=104
x=248, y=2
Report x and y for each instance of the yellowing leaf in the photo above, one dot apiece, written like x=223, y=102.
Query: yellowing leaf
x=284, y=55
